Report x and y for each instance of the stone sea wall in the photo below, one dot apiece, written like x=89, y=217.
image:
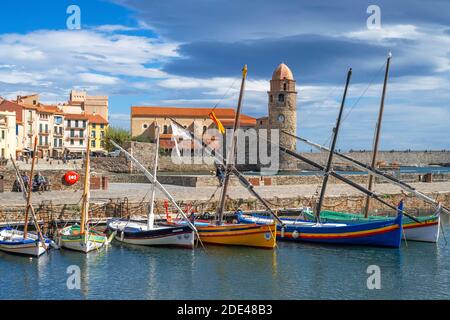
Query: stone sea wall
x=100, y=212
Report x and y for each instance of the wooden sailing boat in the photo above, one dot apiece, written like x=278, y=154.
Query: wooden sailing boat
x=81, y=237
x=150, y=234
x=24, y=242
x=220, y=233
x=379, y=233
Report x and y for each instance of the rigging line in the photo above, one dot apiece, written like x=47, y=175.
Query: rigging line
x=226, y=93
x=365, y=90
x=359, y=98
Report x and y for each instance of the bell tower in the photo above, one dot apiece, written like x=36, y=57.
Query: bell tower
x=283, y=111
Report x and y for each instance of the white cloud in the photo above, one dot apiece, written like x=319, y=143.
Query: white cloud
x=58, y=60
x=93, y=78
x=114, y=28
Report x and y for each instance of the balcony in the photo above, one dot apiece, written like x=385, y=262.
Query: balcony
x=77, y=137
x=44, y=133
x=58, y=134
x=79, y=127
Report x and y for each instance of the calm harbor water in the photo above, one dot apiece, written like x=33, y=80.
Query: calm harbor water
x=293, y=271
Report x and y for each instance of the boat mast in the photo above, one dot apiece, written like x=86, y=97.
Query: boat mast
x=86, y=191
x=151, y=215
x=30, y=188
x=333, y=146
x=377, y=135
x=231, y=155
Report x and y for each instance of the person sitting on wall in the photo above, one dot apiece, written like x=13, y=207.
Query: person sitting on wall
x=25, y=180
x=39, y=182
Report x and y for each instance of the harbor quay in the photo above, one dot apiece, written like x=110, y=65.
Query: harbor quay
x=131, y=200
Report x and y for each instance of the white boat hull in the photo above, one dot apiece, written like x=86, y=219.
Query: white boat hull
x=137, y=233
x=427, y=233
x=81, y=246
x=79, y=243
x=12, y=241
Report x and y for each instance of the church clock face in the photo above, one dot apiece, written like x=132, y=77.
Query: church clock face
x=280, y=118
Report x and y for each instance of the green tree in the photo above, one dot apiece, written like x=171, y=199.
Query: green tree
x=119, y=136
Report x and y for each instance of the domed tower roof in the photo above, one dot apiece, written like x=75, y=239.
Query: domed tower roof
x=282, y=72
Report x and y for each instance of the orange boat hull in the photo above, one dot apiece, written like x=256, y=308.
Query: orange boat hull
x=249, y=235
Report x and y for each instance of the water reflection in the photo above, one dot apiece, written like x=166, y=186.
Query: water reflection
x=292, y=271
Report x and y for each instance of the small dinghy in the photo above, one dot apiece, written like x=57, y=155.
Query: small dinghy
x=71, y=238
x=13, y=241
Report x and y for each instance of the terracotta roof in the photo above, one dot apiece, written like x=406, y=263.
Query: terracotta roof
x=282, y=72
x=96, y=118
x=6, y=105
x=49, y=109
x=244, y=122
x=75, y=116
x=152, y=111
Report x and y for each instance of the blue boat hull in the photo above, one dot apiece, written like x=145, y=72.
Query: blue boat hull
x=387, y=233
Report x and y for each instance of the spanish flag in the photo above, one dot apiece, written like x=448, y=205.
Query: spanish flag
x=217, y=122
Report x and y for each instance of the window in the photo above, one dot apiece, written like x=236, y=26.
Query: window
x=281, y=97
x=102, y=126
x=165, y=129
x=145, y=126
x=94, y=126
x=60, y=142
x=84, y=123
x=81, y=142
x=46, y=140
x=55, y=143
x=72, y=133
x=81, y=133
x=102, y=134
x=76, y=123
x=72, y=142
x=46, y=128
x=34, y=102
x=40, y=127
x=284, y=86
x=40, y=140
x=93, y=134
x=102, y=144
x=3, y=134
x=93, y=143
x=271, y=98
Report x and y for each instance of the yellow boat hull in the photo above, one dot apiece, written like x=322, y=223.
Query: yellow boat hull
x=249, y=235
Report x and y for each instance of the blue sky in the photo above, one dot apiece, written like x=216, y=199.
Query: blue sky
x=189, y=53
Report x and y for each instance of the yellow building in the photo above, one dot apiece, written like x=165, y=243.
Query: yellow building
x=97, y=127
x=8, y=141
